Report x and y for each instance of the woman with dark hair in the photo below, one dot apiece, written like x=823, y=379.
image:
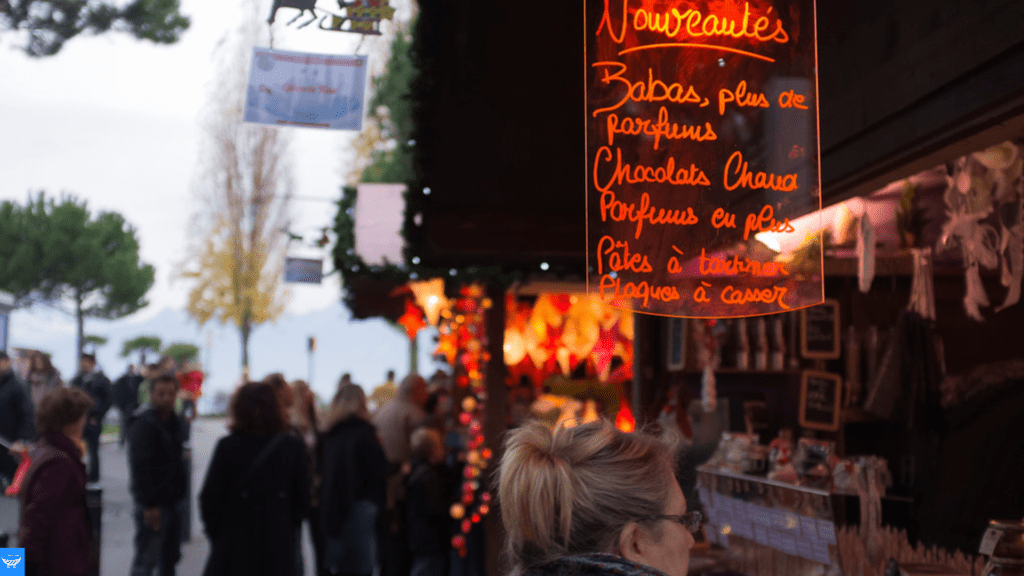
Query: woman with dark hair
x=42, y=377
x=54, y=526
x=256, y=491
x=286, y=400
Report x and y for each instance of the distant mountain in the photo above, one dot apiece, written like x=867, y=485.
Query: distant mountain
x=366, y=349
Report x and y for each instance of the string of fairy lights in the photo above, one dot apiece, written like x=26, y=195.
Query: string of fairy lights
x=462, y=341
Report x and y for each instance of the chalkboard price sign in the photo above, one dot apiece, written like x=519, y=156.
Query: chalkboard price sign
x=819, y=334
x=819, y=400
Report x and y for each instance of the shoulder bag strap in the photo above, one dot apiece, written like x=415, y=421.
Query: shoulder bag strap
x=256, y=463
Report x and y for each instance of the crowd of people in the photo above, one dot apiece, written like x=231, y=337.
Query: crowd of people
x=374, y=487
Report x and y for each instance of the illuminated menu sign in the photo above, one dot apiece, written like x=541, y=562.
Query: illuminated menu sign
x=702, y=148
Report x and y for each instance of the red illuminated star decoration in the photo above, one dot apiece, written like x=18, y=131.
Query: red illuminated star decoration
x=604, y=350
x=448, y=346
x=412, y=319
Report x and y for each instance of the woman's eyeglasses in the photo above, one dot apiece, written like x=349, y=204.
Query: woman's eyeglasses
x=691, y=520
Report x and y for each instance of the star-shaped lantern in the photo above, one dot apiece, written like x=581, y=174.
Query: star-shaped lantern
x=412, y=319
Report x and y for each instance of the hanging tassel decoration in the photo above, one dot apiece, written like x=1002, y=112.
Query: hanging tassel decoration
x=709, y=356
x=1013, y=257
x=708, y=393
x=975, y=297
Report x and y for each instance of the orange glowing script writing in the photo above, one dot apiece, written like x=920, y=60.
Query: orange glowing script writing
x=619, y=260
x=701, y=135
x=660, y=129
x=693, y=23
x=626, y=173
x=738, y=173
x=612, y=287
x=737, y=266
x=618, y=211
x=652, y=90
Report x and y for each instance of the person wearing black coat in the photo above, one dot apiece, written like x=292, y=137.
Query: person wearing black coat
x=429, y=490
x=125, y=392
x=156, y=458
x=352, y=490
x=98, y=386
x=16, y=414
x=256, y=490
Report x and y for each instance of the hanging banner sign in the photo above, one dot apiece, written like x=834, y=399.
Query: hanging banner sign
x=702, y=148
x=308, y=90
x=303, y=270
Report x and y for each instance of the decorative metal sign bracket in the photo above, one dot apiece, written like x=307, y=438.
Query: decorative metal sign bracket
x=358, y=17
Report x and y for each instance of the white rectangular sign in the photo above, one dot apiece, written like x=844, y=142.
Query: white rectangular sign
x=309, y=90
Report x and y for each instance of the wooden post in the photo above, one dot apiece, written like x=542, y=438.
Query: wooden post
x=639, y=361
x=496, y=424
x=647, y=365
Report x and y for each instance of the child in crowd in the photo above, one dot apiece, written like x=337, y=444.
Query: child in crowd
x=429, y=487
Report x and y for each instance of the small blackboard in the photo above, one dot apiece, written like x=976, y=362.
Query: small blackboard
x=819, y=400
x=675, y=357
x=819, y=331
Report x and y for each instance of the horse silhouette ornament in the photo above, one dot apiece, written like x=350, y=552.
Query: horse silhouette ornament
x=300, y=5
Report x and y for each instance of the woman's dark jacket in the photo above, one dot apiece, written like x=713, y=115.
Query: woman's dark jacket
x=353, y=468
x=156, y=460
x=596, y=564
x=54, y=525
x=429, y=489
x=15, y=409
x=252, y=529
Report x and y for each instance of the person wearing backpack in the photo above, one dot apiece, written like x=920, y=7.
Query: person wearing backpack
x=156, y=459
x=256, y=491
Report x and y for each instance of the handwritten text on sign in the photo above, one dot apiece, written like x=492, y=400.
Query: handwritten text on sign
x=702, y=146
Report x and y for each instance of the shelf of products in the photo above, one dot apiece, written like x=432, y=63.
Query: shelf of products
x=762, y=519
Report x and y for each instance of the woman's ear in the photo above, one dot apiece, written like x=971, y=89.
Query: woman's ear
x=631, y=545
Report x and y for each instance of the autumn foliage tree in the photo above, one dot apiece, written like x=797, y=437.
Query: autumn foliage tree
x=245, y=189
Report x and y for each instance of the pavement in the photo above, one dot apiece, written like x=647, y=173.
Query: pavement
x=118, y=523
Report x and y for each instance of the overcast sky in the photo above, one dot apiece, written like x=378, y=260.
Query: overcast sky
x=114, y=120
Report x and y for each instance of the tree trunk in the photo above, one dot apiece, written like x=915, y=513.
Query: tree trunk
x=81, y=323
x=246, y=330
x=496, y=416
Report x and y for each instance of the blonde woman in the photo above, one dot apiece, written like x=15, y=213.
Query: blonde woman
x=591, y=500
x=352, y=489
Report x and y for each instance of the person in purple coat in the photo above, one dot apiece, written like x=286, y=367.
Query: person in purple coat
x=54, y=523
